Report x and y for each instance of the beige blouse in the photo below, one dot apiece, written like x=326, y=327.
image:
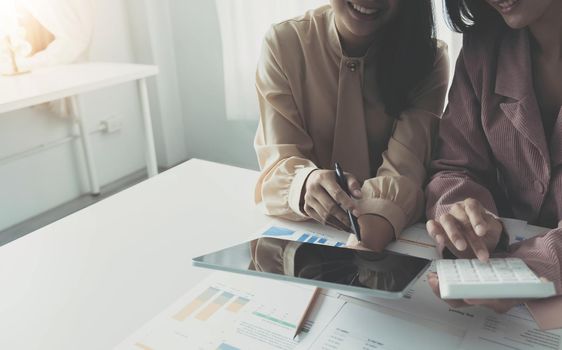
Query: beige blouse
x=318, y=106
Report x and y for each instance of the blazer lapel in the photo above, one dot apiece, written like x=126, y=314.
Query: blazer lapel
x=556, y=141
x=514, y=79
x=526, y=118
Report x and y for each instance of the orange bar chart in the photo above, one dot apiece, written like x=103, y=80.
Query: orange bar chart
x=214, y=306
x=195, y=304
x=237, y=304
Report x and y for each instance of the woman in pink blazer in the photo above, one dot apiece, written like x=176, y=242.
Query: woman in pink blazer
x=500, y=143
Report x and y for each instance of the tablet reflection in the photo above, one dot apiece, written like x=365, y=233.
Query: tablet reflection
x=382, y=271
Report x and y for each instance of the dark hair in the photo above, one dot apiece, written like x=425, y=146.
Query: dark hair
x=467, y=15
x=407, y=54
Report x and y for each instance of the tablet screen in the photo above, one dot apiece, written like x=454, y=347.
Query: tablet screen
x=386, y=274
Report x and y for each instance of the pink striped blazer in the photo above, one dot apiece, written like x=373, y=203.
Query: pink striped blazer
x=493, y=147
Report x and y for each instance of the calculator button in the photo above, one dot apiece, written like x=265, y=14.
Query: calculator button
x=503, y=270
x=498, y=263
x=485, y=271
x=452, y=277
x=479, y=264
x=470, y=277
x=509, y=278
x=466, y=273
x=527, y=276
x=489, y=277
x=449, y=273
x=516, y=263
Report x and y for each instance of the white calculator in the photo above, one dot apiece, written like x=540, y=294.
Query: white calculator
x=495, y=279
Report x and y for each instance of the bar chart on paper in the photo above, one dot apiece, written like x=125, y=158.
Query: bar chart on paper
x=215, y=300
x=276, y=316
x=228, y=312
x=302, y=236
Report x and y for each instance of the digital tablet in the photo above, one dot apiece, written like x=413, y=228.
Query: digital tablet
x=385, y=275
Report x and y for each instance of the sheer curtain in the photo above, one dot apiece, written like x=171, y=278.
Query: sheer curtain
x=243, y=24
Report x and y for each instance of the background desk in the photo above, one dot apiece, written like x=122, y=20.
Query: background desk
x=91, y=279
x=54, y=83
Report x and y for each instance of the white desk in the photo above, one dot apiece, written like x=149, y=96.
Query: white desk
x=49, y=84
x=91, y=279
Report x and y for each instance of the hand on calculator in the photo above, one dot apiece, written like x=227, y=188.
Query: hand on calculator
x=467, y=230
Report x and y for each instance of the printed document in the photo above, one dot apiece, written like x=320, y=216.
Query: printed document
x=230, y=312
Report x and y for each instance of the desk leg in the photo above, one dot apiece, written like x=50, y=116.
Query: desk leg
x=86, y=145
x=150, y=151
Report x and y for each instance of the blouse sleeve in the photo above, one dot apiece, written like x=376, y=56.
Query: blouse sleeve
x=396, y=192
x=283, y=146
x=463, y=165
x=543, y=254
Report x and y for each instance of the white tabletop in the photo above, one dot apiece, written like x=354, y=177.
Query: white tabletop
x=92, y=278
x=57, y=82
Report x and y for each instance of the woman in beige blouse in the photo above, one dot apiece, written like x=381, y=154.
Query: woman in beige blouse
x=361, y=83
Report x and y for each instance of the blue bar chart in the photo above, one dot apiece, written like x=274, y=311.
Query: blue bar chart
x=275, y=231
x=301, y=236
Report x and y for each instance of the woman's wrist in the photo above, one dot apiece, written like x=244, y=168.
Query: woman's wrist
x=376, y=231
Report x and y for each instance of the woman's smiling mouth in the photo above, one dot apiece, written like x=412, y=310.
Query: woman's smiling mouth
x=364, y=12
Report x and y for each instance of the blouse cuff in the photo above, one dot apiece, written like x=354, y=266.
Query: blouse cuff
x=296, y=188
x=387, y=209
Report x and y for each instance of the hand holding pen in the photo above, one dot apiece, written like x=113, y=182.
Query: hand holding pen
x=341, y=179
x=327, y=202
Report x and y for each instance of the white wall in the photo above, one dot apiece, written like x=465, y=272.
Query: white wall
x=153, y=43
x=36, y=183
x=209, y=135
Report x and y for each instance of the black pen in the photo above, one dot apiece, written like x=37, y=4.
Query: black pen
x=342, y=181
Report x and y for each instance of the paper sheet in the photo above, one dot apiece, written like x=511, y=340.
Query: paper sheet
x=230, y=312
x=357, y=327
x=422, y=304
x=413, y=241
x=501, y=332
x=519, y=230
x=482, y=328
